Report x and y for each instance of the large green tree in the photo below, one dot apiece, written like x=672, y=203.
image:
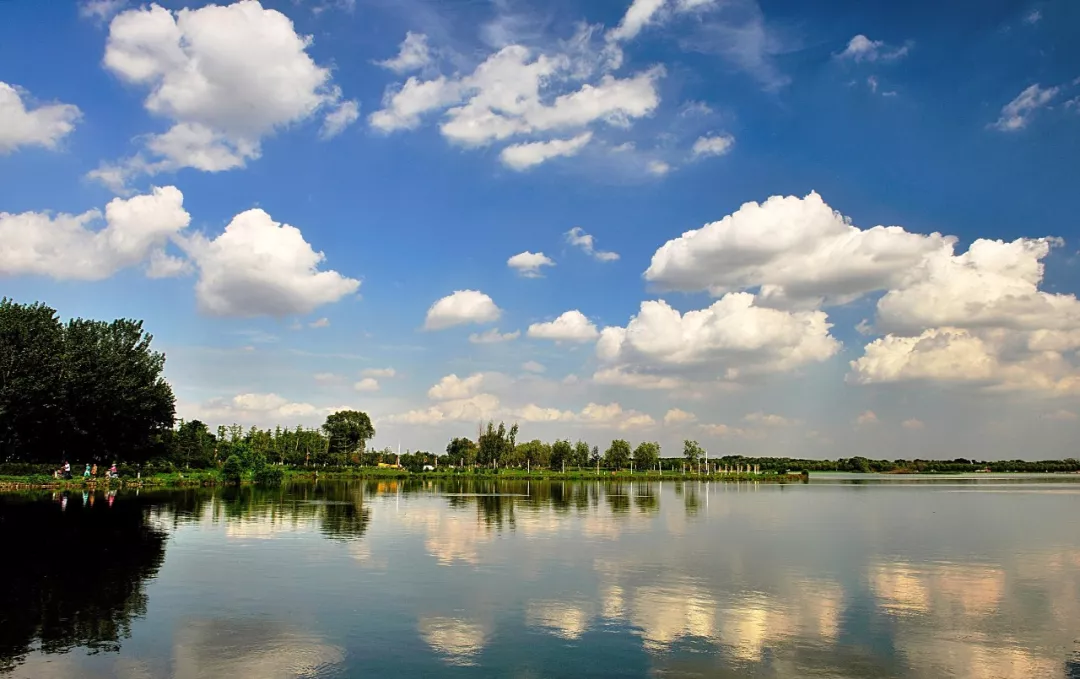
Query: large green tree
x=561, y=453
x=89, y=390
x=692, y=452
x=349, y=431
x=617, y=455
x=462, y=451
x=646, y=455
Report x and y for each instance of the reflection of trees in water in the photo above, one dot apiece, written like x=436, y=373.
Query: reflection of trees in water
x=73, y=575
x=646, y=498
x=338, y=508
x=618, y=498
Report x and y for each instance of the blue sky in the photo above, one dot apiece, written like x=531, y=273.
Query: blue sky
x=419, y=146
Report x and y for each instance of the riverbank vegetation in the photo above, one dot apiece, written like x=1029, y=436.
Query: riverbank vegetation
x=91, y=393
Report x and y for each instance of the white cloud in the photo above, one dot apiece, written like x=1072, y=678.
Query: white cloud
x=613, y=415
x=1017, y=113
x=473, y=409
x=320, y=323
x=163, y=265
x=225, y=76
x=618, y=377
x=1033, y=17
x=637, y=16
x=251, y=409
x=327, y=378
x=571, y=326
x=452, y=387
x=102, y=10
x=578, y=238
x=66, y=247
x=533, y=367
x=523, y=156
x=912, y=424
x=379, y=372
x=727, y=431
x=771, y=420
x=1061, y=416
x=493, y=336
x=521, y=92
x=717, y=145
x=860, y=48
x=342, y=115
x=367, y=384
x=731, y=338
x=259, y=267
x=528, y=264
x=798, y=250
x=677, y=416
x=43, y=125
x=996, y=360
x=413, y=55
x=463, y=306
x=658, y=168
x=866, y=417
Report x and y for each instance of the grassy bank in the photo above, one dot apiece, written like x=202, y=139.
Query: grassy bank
x=212, y=477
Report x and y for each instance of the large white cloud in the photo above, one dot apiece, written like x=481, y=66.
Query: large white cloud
x=799, y=251
x=528, y=264
x=571, y=326
x=225, y=76
x=521, y=92
x=462, y=306
x=731, y=338
x=43, y=125
x=452, y=387
x=259, y=267
x=67, y=247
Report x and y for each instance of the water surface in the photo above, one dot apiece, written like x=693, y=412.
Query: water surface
x=970, y=578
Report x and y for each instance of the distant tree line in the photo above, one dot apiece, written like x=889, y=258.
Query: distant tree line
x=93, y=392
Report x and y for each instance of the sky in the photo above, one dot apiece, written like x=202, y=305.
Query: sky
x=777, y=229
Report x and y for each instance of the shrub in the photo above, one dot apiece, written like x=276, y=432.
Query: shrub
x=233, y=470
x=269, y=476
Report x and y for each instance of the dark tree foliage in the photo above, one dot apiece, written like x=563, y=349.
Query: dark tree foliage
x=617, y=455
x=462, y=451
x=349, y=431
x=88, y=390
x=646, y=455
x=497, y=444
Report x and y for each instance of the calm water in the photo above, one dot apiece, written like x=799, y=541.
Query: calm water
x=975, y=579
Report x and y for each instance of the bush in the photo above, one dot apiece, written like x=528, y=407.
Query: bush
x=27, y=469
x=270, y=476
x=233, y=470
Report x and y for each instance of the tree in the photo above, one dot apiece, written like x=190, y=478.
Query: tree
x=463, y=451
x=646, y=455
x=349, y=431
x=31, y=390
x=692, y=452
x=617, y=455
x=497, y=444
x=193, y=445
x=561, y=453
x=581, y=454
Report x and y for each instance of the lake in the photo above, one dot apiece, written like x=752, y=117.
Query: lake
x=976, y=578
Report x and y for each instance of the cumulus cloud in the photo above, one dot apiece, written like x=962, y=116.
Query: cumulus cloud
x=493, y=336
x=251, y=408
x=677, y=416
x=867, y=417
x=342, y=115
x=520, y=92
x=523, y=156
x=861, y=48
x=642, y=13
x=578, y=238
x=606, y=415
x=658, y=168
x=43, y=125
x=68, y=247
x=259, y=267
x=452, y=387
x=462, y=306
x=367, y=384
x=528, y=264
x=771, y=420
x=379, y=372
x=413, y=55
x=733, y=337
x=571, y=326
x=799, y=251
x=224, y=76
x=717, y=145
x=618, y=377
x=473, y=409
x=1018, y=113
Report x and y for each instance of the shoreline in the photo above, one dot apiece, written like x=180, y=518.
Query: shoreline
x=201, y=479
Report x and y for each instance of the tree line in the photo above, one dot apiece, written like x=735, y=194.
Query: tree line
x=93, y=392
